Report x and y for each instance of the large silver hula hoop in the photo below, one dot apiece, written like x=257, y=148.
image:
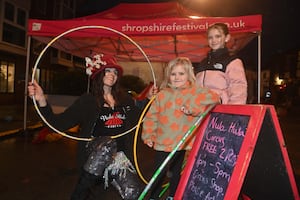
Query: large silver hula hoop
x=61, y=35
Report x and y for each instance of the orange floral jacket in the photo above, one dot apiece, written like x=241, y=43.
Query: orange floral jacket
x=165, y=124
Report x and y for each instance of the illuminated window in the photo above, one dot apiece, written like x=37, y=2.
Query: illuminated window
x=7, y=77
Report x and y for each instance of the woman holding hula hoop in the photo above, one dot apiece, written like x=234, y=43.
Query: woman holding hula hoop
x=103, y=113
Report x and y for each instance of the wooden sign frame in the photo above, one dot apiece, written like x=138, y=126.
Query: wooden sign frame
x=262, y=169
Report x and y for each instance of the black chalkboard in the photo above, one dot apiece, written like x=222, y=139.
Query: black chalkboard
x=216, y=157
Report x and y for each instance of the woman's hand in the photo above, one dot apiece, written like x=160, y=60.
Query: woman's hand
x=35, y=90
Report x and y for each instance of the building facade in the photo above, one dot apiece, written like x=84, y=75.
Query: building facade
x=13, y=44
x=14, y=15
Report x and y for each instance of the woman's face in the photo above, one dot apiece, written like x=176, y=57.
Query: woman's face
x=110, y=76
x=178, y=76
x=217, y=39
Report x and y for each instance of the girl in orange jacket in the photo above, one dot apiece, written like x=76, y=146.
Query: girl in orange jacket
x=171, y=115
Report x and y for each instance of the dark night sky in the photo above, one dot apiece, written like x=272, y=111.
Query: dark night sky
x=280, y=26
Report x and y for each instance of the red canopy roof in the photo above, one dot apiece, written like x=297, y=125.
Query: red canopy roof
x=162, y=30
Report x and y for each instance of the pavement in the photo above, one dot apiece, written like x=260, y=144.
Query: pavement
x=12, y=120
x=46, y=170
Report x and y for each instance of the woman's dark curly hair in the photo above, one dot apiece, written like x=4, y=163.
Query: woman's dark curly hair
x=97, y=90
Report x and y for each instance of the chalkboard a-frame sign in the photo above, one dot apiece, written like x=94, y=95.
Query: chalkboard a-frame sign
x=238, y=150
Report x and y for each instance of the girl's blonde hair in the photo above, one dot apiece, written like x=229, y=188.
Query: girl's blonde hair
x=187, y=65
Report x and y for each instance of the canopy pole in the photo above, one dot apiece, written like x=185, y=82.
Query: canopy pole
x=26, y=82
x=259, y=67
